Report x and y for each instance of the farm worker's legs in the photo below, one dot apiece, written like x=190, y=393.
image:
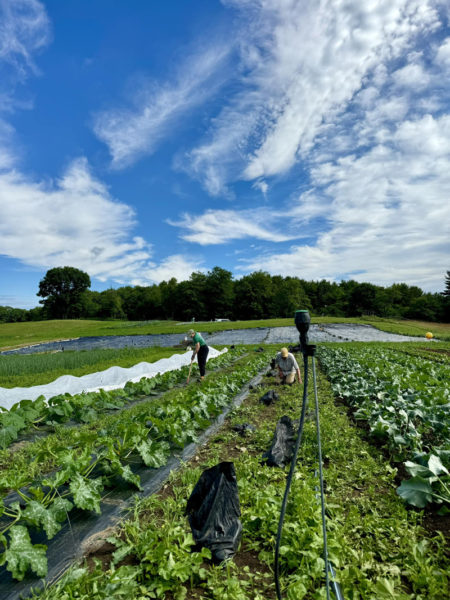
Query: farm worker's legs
x=201, y=357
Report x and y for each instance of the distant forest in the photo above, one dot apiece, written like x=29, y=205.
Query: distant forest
x=217, y=295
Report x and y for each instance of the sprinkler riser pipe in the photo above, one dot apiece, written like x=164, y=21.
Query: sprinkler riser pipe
x=302, y=322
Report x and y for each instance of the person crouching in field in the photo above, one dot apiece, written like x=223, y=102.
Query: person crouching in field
x=201, y=350
x=287, y=367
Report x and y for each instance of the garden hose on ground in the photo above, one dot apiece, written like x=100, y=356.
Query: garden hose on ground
x=309, y=351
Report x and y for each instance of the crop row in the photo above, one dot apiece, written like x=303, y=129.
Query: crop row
x=148, y=436
x=44, y=367
x=86, y=407
x=405, y=402
x=20, y=467
x=376, y=547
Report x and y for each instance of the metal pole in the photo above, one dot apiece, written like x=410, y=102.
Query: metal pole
x=322, y=496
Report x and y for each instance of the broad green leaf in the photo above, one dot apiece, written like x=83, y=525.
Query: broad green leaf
x=129, y=476
x=436, y=467
x=36, y=514
x=416, y=491
x=7, y=436
x=415, y=469
x=59, y=509
x=86, y=492
x=22, y=555
x=153, y=454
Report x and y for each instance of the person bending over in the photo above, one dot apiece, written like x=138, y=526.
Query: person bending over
x=200, y=350
x=287, y=367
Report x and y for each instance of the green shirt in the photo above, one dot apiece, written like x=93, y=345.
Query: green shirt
x=198, y=338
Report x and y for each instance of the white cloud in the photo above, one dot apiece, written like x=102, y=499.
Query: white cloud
x=178, y=266
x=222, y=226
x=7, y=155
x=262, y=186
x=412, y=75
x=24, y=29
x=73, y=221
x=303, y=63
x=387, y=211
x=131, y=132
x=443, y=53
x=76, y=222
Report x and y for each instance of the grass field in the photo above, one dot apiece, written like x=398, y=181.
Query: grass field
x=16, y=335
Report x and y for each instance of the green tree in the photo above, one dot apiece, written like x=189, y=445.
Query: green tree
x=218, y=294
x=110, y=305
x=169, y=292
x=62, y=290
x=253, y=296
x=288, y=296
x=446, y=292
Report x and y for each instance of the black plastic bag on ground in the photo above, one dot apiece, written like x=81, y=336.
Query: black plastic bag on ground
x=280, y=452
x=269, y=397
x=213, y=512
x=244, y=429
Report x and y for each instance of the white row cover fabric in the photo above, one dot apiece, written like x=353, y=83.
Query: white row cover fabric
x=110, y=379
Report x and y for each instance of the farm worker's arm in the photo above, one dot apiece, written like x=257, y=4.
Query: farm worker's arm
x=297, y=368
x=196, y=349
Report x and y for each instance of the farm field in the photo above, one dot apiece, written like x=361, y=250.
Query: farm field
x=15, y=335
x=81, y=462
x=379, y=546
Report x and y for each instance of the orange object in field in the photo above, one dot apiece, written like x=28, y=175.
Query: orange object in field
x=428, y=335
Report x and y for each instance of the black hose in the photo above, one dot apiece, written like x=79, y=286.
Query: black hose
x=290, y=476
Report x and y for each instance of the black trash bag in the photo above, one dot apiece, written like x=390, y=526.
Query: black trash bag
x=282, y=448
x=244, y=428
x=269, y=397
x=213, y=512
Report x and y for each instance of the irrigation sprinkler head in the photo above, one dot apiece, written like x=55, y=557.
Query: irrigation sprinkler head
x=302, y=321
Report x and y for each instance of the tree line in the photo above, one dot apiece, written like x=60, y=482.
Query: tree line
x=216, y=294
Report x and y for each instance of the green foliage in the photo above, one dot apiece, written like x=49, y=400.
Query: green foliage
x=150, y=432
x=377, y=547
x=22, y=555
x=62, y=289
x=405, y=401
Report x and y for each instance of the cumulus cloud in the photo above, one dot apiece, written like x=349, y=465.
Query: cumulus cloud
x=133, y=131
x=387, y=211
x=75, y=221
x=222, y=226
x=179, y=266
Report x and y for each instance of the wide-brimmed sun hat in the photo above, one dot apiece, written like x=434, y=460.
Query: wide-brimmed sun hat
x=284, y=352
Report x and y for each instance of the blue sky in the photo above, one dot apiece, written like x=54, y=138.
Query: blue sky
x=145, y=140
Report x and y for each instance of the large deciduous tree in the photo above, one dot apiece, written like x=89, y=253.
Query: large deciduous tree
x=62, y=290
